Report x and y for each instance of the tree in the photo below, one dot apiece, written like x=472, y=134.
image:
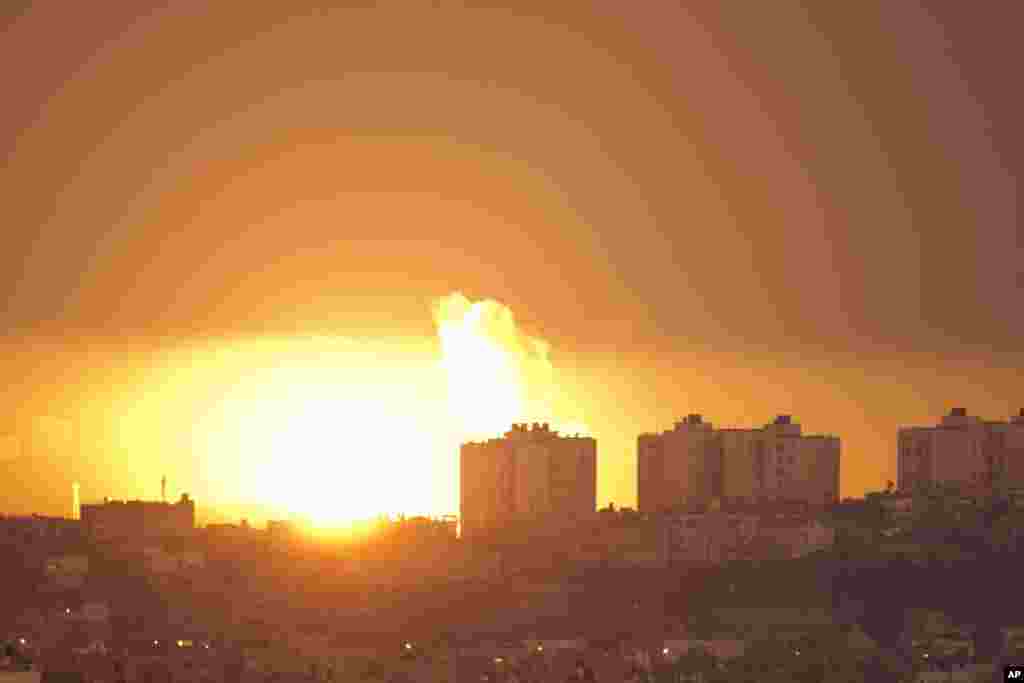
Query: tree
x=696, y=661
x=883, y=668
x=764, y=661
x=1003, y=534
x=883, y=623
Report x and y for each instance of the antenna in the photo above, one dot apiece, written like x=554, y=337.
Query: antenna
x=163, y=489
x=75, y=501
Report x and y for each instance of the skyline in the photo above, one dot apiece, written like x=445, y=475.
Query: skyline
x=266, y=506
x=219, y=218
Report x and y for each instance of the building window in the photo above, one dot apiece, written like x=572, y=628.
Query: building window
x=780, y=446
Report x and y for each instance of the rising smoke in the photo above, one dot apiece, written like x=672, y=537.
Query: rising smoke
x=496, y=374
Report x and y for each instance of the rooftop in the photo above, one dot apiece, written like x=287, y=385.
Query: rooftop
x=537, y=429
x=959, y=419
x=184, y=500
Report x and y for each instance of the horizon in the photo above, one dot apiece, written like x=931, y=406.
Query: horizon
x=256, y=512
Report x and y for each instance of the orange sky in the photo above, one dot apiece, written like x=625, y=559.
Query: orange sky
x=739, y=212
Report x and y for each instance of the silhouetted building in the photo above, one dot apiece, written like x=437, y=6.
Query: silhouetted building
x=779, y=462
x=40, y=528
x=281, y=532
x=137, y=519
x=680, y=466
x=709, y=537
x=527, y=474
x=695, y=463
x=962, y=449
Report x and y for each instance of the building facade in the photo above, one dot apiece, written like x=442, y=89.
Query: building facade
x=962, y=449
x=779, y=462
x=714, y=537
x=695, y=463
x=797, y=537
x=67, y=571
x=57, y=530
x=679, y=466
x=723, y=649
x=709, y=538
x=530, y=473
x=136, y=519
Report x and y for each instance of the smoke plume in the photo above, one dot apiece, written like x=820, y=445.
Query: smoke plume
x=496, y=374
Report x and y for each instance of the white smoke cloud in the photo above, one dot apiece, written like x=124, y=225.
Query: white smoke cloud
x=497, y=374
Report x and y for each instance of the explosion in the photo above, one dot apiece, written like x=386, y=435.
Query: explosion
x=497, y=375
x=335, y=430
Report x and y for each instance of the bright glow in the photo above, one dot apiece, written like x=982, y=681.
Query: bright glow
x=497, y=375
x=330, y=432
x=336, y=460
x=664, y=651
x=483, y=356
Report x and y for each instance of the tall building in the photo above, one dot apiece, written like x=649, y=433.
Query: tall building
x=679, y=466
x=696, y=463
x=530, y=473
x=138, y=520
x=962, y=449
x=779, y=462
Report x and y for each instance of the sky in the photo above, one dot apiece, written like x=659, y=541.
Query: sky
x=729, y=208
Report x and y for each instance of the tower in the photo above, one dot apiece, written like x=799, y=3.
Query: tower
x=76, y=502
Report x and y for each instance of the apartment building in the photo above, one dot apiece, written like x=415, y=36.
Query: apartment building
x=962, y=449
x=695, y=463
x=530, y=473
x=137, y=520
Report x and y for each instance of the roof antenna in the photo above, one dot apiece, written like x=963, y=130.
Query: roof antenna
x=163, y=489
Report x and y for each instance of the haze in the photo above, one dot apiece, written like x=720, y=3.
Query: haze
x=227, y=237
